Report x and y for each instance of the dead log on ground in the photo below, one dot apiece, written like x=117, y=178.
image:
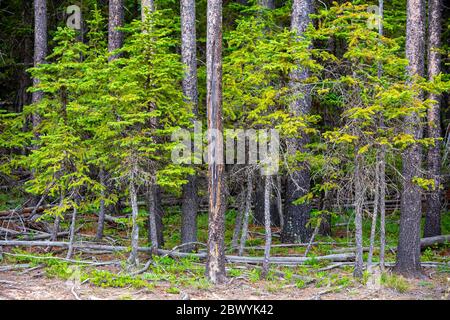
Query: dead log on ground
x=175, y=254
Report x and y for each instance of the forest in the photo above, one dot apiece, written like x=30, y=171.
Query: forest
x=212, y=149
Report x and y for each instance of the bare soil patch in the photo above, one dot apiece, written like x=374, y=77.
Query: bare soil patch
x=15, y=285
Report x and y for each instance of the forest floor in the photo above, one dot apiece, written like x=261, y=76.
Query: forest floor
x=41, y=273
x=34, y=283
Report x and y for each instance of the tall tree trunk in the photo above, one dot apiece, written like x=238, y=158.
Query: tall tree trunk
x=408, y=252
x=258, y=215
x=155, y=213
x=115, y=41
x=298, y=183
x=72, y=232
x=359, y=200
x=434, y=198
x=325, y=224
x=381, y=160
x=269, y=4
x=152, y=228
x=189, y=206
x=279, y=201
x=153, y=195
x=248, y=207
x=238, y=221
x=133, y=258
x=146, y=7
x=115, y=21
x=376, y=202
x=23, y=96
x=56, y=222
x=40, y=48
x=102, y=209
x=382, y=207
x=215, y=264
x=267, y=226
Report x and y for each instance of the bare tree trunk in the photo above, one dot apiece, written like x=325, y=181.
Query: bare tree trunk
x=373, y=229
x=152, y=213
x=311, y=240
x=381, y=160
x=133, y=258
x=72, y=232
x=248, y=207
x=40, y=52
x=56, y=222
x=215, y=265
x=408, y=253
x=359, y=200
x=434, y=198
x=146, y=7
x=382, y=207
x=40, y=47
x=269, y=4
x=267, y=226
x=279, y=202
x=102, y=210
x=258, y=214
x=153, y=196
x=116, y=20
x=238, y=223
x=325, y=224
x=23, y=96
x=189, y=206
x=55, y=229
x=298, y=184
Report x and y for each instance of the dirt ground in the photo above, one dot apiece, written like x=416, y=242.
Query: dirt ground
x=33, y=285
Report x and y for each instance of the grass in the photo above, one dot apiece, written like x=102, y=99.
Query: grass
x=395, y=282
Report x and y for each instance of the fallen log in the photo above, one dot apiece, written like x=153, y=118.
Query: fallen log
x=24, y=211
x=176, y=254
x=292, y=245
x=431, y=241
x=424, y=243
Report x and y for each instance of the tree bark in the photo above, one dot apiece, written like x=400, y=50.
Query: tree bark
x=267, y=226
x=115, y=21
x=133, y=258
x=382, y=206
x=23, y=96
x=72, y=232
x=408, y=253
x=248, y=207
x=215, y=265
x=189, y=206
x=102, y=210
x=381, y=154
x=146, y=7
x=56, y=222
x=298, y=183
x=269, y=4
x=434, y=198
x=359, y=200
x=373, y=228
x=40, y=49
x=238, y=221
x=155, y=213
